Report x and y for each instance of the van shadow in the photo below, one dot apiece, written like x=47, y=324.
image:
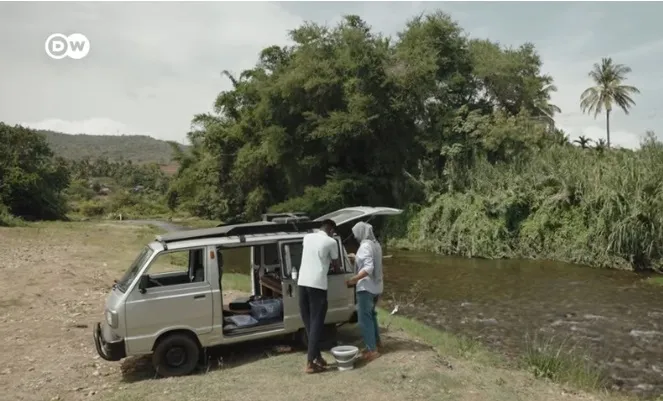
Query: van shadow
x=228, y=357
x=216, y=358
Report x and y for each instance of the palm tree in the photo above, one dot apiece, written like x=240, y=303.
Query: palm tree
x=583, y=141
x=542, y=106
x=608, y=90
x=600, y=145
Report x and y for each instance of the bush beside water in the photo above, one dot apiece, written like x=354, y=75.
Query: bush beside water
x=562, y=203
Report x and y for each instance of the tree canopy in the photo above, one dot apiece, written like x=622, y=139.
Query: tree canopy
x=608, y=90
x=31, y=179
x=349, y=116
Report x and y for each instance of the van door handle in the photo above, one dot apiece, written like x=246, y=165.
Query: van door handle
x=199, y=296
x=290, y=290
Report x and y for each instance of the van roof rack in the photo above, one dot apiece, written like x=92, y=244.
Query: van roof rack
x=232, y=230
x=285, y=217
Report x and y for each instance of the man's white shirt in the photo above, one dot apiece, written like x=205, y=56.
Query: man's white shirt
x=319, y=249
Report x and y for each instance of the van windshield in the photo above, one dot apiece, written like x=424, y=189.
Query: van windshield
x=131, y=273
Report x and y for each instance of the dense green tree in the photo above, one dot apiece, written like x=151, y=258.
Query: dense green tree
x=137, y=148
x=608, y=90
x=346, y=115
x=31, y=179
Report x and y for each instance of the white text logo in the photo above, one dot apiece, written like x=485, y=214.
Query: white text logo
x=59, y=46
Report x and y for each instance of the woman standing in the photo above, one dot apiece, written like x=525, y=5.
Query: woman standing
x=368, y=279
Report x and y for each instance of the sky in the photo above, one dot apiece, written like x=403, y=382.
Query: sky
x=153, y=66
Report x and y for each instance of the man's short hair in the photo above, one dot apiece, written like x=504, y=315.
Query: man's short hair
x=328, y=224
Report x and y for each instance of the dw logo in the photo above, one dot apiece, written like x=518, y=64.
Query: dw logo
x=59, y=46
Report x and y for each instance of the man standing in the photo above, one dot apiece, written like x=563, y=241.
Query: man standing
x=319, y=253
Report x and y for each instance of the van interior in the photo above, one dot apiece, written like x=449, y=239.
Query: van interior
x=263, y=310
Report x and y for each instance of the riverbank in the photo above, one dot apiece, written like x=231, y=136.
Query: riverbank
x=51, y=298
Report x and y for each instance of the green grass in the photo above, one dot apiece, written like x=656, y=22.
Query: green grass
x=657, y=280
x=545, y=359
x=558, y=361
x=236, y=281
x=443, y=342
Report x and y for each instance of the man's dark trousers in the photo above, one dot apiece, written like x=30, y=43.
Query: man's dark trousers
x=313, y=308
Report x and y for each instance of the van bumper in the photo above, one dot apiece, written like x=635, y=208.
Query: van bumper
x=110, y=351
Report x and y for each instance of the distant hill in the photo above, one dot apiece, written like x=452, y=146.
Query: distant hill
x=137, y=148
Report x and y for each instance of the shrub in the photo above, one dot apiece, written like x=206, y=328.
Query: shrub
x=7, y=219
x=92, y=209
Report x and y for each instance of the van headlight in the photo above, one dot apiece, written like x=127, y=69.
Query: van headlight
x=111, y=318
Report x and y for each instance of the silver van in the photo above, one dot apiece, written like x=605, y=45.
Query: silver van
x=169, y=303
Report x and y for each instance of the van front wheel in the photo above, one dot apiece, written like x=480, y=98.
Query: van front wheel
x=175, y=355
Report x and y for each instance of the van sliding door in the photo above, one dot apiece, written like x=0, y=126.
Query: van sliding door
x=290, y=253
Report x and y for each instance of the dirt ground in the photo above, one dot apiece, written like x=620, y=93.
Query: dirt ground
x=55, y=277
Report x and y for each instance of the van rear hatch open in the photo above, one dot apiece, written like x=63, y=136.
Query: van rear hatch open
x=356, y=213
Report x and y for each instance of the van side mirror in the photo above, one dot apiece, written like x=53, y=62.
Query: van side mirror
x=143, y=283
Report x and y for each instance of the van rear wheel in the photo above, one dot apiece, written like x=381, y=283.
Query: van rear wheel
x=176, y=355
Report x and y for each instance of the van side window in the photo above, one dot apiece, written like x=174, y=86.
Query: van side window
x=178, y=267
x=292, y=257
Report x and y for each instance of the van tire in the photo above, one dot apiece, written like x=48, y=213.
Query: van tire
x=176, y=355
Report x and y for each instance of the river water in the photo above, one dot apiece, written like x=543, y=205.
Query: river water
x=505, y=304
x=613, y=315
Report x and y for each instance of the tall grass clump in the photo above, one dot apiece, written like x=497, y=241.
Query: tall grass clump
x=557, y=361
x=597, y=207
